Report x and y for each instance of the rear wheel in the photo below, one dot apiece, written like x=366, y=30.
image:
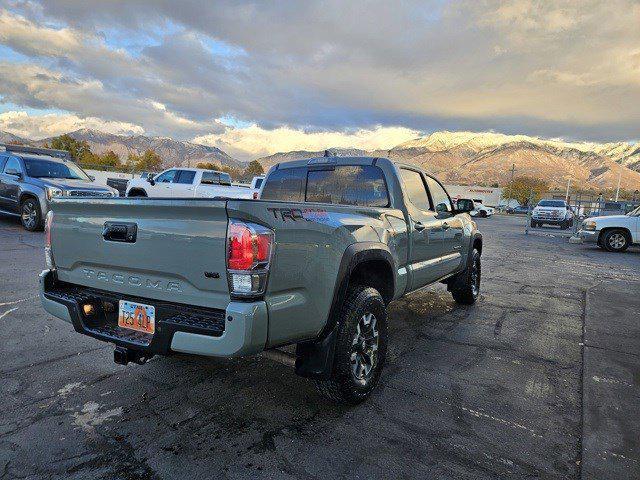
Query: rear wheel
x=483, y=214
x=615, y=240
x=465, y=288
x=30, y=215
x=360, y=350
x=137, y=193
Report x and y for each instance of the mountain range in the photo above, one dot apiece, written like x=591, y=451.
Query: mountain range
x=455, y=157
x=488, y=158
x=172, y=152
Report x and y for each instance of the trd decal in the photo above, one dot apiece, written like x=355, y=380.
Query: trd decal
x=296, y=214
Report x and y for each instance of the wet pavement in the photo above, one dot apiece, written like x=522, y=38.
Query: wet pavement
x=541, y=378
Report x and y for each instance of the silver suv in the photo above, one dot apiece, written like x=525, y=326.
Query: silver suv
x=31, y=177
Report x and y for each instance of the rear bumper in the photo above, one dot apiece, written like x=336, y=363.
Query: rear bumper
x=240, y=329
x=589, y=236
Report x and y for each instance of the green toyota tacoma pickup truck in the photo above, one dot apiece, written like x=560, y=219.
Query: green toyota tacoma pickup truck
x=313, y=262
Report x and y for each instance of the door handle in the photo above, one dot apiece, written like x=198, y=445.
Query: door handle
x=445, y=226
x=419, y=226
x=120, y=232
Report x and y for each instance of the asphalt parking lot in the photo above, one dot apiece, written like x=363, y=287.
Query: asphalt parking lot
x=540, y=379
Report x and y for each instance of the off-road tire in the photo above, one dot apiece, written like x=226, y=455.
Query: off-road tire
x=31, y=215
x=465, y=287
x=615, y=240
x=343, y=386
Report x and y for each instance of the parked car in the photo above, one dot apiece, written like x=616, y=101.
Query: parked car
x=314, y=262
x=31, y=177
x=614, y=233
x=552, y=212
x=518, y=210
x=256, y=183
x=186, y=183
x=480, y=210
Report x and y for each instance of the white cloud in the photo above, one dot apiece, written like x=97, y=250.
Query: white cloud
x=554, y=68
x=36, y=127
x=254, y=141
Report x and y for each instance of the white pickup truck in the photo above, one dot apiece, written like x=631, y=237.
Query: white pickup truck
x=552, y=212
x=188, y=183
x=480, y=210
x=614, y=233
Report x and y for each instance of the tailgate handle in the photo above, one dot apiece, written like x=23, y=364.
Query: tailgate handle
x=120, y=232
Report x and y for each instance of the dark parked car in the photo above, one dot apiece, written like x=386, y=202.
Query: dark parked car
x=30, y=177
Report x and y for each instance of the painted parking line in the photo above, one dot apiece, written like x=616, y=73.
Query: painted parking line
x=2, y=315
x=2, y=304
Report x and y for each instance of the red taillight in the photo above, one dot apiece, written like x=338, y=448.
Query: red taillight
x=240, y=247
x=249, y=245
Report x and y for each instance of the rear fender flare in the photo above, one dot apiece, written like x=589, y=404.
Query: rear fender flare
x=314, y=359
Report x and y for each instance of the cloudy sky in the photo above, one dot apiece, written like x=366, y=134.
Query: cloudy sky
x=259, y=77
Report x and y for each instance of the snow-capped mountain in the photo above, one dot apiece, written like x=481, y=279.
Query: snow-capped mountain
x=489, y=157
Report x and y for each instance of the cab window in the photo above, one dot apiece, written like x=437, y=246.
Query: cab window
x=414, y=188
x=166, y=177
x=441, y=200
x=285, y=184
x=12, y=164
x=185, y=177
x=361, y=185
x=210, y=178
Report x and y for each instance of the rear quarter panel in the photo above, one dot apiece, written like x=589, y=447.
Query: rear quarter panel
x=310, y=242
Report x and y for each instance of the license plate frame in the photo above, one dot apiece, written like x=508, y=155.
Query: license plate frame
x=136, y=316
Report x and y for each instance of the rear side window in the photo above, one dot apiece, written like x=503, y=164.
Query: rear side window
x=439, y=196
x=185, y=177
x=414, y=187
x=210, y=178
x=3, y=160
x=286, y=184
x=361, y=185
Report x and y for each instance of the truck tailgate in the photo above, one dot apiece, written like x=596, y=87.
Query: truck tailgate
x=178, y=254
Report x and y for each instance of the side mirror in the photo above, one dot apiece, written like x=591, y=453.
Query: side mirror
x=92, y=178
x=14, y=172
x=151, y=180
x=464, y=205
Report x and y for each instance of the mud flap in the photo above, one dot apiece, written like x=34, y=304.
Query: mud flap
x=315, y=359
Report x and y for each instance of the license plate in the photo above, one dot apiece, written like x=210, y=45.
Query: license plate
x=137, y=316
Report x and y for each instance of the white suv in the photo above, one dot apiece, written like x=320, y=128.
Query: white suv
x=614, y=233
x=552, y=212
